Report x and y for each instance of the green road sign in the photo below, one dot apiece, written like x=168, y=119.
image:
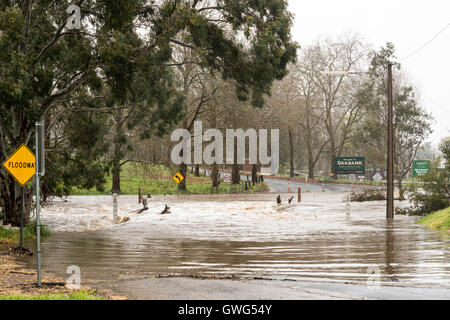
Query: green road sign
x=421, y=167
x=349, y=165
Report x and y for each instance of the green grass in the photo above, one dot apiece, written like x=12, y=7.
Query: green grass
x=157, y=180
x=81, y=295
x=29, y=232
x=439, y=220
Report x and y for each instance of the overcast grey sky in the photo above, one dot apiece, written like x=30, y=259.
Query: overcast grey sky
x=408, y=24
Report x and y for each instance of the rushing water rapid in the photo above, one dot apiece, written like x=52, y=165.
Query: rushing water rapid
x=245, y=236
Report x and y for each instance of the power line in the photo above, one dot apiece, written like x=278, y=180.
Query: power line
x=427, y=43
x=435, y=102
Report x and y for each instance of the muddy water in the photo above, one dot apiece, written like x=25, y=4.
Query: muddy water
x=243, y=236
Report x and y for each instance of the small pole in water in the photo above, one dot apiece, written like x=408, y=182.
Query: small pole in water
x=323, y=186
x=299, y=195
x=115, y=207
x=347, y=206
x=140, y=195
x=289, y=187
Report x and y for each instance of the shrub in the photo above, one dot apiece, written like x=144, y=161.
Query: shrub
x=431, y=195
x=368, y=194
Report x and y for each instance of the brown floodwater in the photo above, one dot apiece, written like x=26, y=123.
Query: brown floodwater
x=244, y=236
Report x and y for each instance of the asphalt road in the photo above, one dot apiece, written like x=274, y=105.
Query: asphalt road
x=196, y=289
x=283, y=186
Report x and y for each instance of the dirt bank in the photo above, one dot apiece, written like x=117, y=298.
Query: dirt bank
x=17, y=279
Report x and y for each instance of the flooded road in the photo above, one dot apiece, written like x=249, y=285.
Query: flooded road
x=245, y=236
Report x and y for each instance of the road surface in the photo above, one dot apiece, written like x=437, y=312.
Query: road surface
x=196, y=289
x=283, y=186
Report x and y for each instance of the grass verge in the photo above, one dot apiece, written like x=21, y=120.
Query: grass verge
x=157, y=180
x=439, y=220
x=81, y=295
x=8, y=235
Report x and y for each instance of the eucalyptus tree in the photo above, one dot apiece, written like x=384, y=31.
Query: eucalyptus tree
x=287, y=102
x=444, y=147
x=247, y=42
x=340, y=108
x=412, y=124
x=44, y=62
x=311, y=127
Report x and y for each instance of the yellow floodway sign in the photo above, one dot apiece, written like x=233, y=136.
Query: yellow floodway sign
x=21, y=165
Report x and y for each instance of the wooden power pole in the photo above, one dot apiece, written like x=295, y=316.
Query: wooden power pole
x=390, y=149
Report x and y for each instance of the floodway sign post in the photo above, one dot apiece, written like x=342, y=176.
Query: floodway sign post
x=40, y=171
x=22, y=166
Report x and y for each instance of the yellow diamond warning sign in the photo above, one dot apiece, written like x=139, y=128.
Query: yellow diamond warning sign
x=21, y=165
x=178, y=178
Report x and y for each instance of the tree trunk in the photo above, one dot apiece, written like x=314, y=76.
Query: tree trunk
x=291, y=154
x=10, y=199
x=116, y=177
x=254, y=174
x=215, y=176
x=333, y=155
x=197, y=170
x=311, y=165
x=311, y=173
x=401, y=191
x=115, y=171
x=332, y=171
x=183, y=170
x=235, y=174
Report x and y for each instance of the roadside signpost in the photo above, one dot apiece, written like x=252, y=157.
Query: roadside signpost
x=352, y=178
x=22, y=166
x=349, y=165
x=421, y=167
x=227, y=178
x=178, y=178
x=377, y=177
x=40, y=171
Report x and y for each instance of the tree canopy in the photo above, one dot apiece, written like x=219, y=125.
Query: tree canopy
x=50, y=70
